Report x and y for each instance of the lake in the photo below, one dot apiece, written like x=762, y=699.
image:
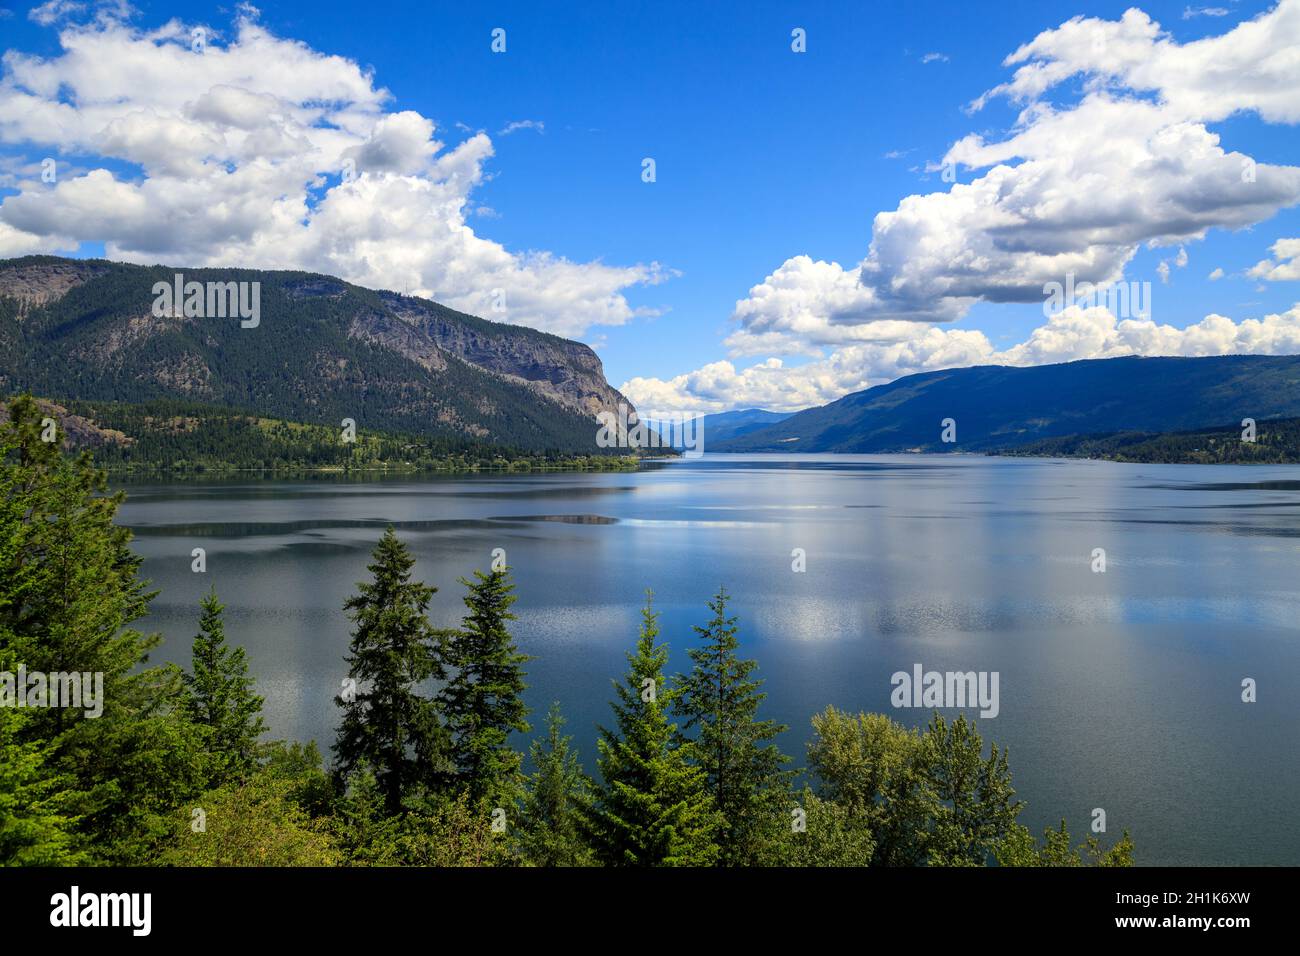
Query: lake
x=1119, y=690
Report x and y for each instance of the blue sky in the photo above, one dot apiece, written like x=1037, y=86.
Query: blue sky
x=762, y=155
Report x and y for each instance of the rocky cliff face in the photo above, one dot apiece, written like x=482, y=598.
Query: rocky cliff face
x=38, y=280
x=78, y=432
x=566, y=371
x=324, y=349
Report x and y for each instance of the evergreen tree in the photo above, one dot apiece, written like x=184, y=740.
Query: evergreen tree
x=69, y=591
x=68, y=579
x=220, y=697
x=387, y=726
x=555, y=798
x=719, y=699
x=35, y=802
x=651, y=807
x=483, y=697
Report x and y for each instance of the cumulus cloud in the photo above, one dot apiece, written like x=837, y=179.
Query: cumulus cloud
x=1072, y=334
x=805, y=304
x=1071, y=189
x=1284, y=265
x=263, y=152
x=1250, y=67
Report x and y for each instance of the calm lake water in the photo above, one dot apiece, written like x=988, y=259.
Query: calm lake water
x=1119, y=690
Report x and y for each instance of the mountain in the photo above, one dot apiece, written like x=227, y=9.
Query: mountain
x=721, y=426
x=1002, y=407
x=726, y=425
x=320, y=350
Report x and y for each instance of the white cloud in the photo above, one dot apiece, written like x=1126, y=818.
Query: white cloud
x=1179, y=260
x=1284, y=265
x=1072, y=189
x=1074, y=333
x=54, y=10
x=1251, y=67
x=935, y=58
x=1216, y=275
x=805, y=304
x=1191, y=12
x=263, y=152
x=517, y=125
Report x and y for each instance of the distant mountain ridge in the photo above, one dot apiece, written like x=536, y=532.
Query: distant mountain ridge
x=323, y=350
x=997, y=406
x=719, y=426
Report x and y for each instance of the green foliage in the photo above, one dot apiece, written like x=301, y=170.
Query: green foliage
x=310, y=786
x=651, y=807
x=69, y=591
x=220, y=697
x=438, y=829
x=876, y=769
x=36, y=812
x=388, y=726
x=556, y=797
x=177, y=437
x=719, y=699
x=1018, y=848
x=832, y=835
x=482, y=699
x=975, y=805
x=255, y=822
x=1277, y=442
x=929, y=798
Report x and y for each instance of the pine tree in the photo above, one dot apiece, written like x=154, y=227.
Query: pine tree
x=719, y=699
x=69, y=592
x=68, y=579
x=387, y=726
x=483, y=696
x=36, y=802
x=220, y=697
x=555, y=798
x=651, y=807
